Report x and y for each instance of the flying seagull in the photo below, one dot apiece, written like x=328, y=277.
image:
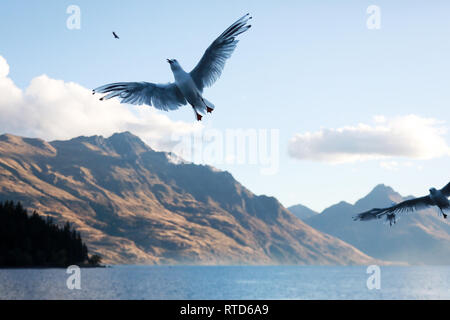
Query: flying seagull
x=188, y=87
x=435, y=198
x=115, y=35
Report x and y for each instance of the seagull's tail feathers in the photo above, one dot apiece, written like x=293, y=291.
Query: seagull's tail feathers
x=200, y=110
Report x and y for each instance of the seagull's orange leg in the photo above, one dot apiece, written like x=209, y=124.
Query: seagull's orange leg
x=199, y=116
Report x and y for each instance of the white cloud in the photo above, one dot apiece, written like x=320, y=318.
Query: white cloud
x=4, y=68
x=409, y=136
x=54, y=109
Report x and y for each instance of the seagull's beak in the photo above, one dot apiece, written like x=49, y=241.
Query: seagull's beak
x=169, y=61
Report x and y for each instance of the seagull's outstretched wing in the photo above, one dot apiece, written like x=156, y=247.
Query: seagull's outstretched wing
x=162, y=96
x=210, y=67
x=446, y=190
x=405, y=206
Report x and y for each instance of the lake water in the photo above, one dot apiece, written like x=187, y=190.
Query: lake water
x=231, y=282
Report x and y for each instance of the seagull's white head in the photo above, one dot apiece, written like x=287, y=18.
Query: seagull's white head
x=174, y=65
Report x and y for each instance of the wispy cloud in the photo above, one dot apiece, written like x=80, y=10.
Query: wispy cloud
x=54, y=109
x=410, y=136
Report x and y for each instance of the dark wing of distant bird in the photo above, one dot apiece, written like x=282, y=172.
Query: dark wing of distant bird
x=162, y=96
x=446, y=190
x=115, y=35
x=210, y=67
x=402, y=207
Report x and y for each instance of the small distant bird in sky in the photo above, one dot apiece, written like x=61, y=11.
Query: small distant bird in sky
x=436, y=198
x=115, y=35
x=188, y=87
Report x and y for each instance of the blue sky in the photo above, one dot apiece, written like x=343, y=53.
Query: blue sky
x=305, y=66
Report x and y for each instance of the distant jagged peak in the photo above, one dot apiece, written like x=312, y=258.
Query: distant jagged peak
x=383, y=190
x=381, y=195
x=338, y=206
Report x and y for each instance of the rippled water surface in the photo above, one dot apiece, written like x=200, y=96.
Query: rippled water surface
x=233, y=282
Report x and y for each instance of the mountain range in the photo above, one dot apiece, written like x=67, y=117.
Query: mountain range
x=133, y=204
x=421, y=237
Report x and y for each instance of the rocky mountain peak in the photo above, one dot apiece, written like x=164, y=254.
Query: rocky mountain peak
x=126, y=143
x=380, y=196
